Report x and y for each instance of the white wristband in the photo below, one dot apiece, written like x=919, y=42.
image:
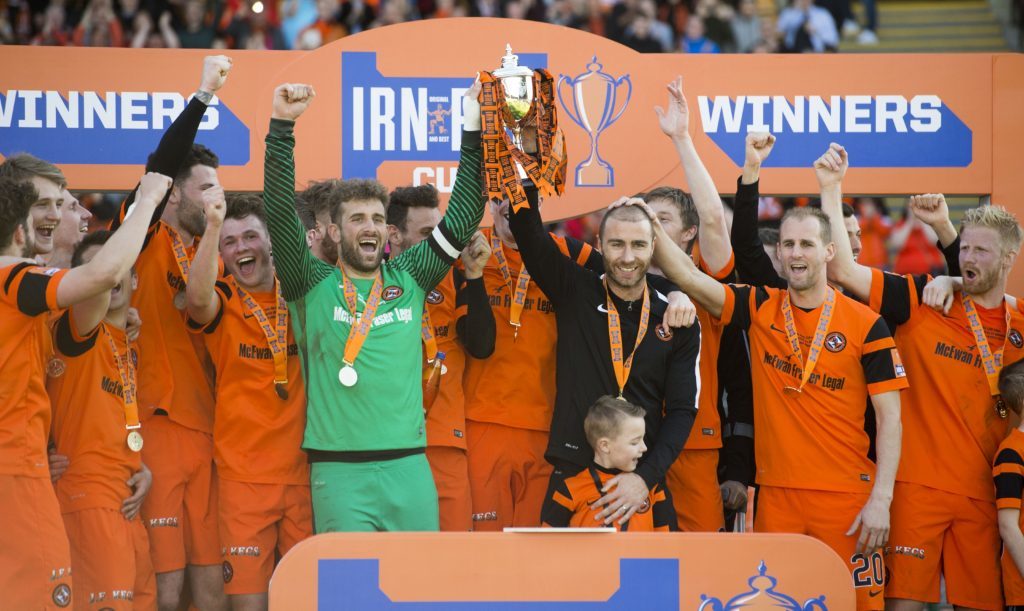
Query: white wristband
x=470, y=114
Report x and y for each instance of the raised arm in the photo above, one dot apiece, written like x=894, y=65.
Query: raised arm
x=177, y=140
x=476, y=329
x=118, y=255
x=674, y=121
x=203, y=301
x=753, y=265
x=830, y=169
x=431, y=259
x=297, y=268
x=931, y=208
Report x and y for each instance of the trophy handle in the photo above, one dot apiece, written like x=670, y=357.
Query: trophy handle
x=565, y=80
x=815, y=604
x=629, y=94
x=710, y=604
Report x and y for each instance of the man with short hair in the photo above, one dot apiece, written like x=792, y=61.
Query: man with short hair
x=457, y=320
x=358, y=327
x=262, y=472
x=175, y=373
x=35, y=561
x=944, y=518
x=50, y=184
x=314, y=207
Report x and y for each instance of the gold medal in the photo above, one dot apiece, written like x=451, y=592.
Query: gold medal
x=348, y=376
x=55, y=367
x=135, y=441
x=282, y=391
x=1001, y=407
x=179, y=300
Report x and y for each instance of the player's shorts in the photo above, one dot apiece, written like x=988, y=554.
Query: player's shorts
x=508, y=476
x=826, y=516
x=937, y=532
x=258, y=521
x=110, y=558
x=451, y=476
x=383, y=495
x=180, y=511
x=35, y=561
x=693, y=481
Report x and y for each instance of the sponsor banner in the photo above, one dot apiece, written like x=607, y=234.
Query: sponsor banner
x=543, y=571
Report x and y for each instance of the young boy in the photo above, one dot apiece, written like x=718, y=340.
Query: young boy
x=615, y=430
x=1008, y=473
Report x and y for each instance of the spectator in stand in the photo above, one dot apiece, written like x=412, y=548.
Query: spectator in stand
x=694, y=41
x=99, y=27
x=327, y=23
x=914, y=245
x=875, y=227
x=640, y=38
x=127, y=11
x=620, y=18
x=144, y=36
x=397, y=11
x=55, y=31
x=769, y=37
x=746, y=27
x=197, y=33
x=254, y=31
x=717, y=17
x=807, y=28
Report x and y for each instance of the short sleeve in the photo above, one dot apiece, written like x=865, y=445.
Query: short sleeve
x=1008, y=474
x=880, y=360
x=31, y=288
x=68, y=341
x=223, y=290
x=737, y=307
x=895, y=297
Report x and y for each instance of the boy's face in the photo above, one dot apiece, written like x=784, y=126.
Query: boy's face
x=625, y=449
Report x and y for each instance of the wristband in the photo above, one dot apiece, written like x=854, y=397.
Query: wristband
x=204, y=96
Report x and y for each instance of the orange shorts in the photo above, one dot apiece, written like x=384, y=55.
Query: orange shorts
x=937, y=532
x=451, y=476
x=508, y=476
x=35, y=561
x=826, y=516
x=180, y=511
x=110, y=558
x=258, y=521
x=693, y=481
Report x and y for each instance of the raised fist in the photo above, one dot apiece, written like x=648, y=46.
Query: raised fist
x=215, y=72
x=475, y=255
x=153, y=186
x=290, y=101
x=759, y=146
x=214, y=205
x=931, y=208
x=831, y=167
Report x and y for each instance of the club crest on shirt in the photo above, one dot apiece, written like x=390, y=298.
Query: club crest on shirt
x=229, y=571
x=664, y=332
x=835, y=341
x=1015, y=338
x=391, y=293
x=62, y=595
x=434, y=297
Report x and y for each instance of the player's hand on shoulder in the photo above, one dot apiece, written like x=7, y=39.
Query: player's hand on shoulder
x=939, y=293
x=680, y=312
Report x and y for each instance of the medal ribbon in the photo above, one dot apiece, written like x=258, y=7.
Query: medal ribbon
x=814, y=352
x=276, y=333
x=180, y=253
x=522, y=283
x=991, y=361
x=429, y=341
x=623, y=366
x=126, y=370
x=360, y=325
x=547, y=170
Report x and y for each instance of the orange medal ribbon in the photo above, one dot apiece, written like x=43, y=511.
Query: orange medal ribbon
x=817, y=344
x=991, y=361
x=276, y=334
x=622, y=365
x=519, y=292
x=360, y=324
x=126, y=371
x=429, y=341
x=181, y=257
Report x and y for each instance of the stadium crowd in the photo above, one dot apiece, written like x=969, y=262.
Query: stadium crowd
x=194, y=404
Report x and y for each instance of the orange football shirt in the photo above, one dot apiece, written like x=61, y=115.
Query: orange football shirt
x=1008, y=474
x=572, y=498
x=951, y=429
x=27, y=292
x=446, y=418
x=257, y=436
x=813, y=439
x=89, y=419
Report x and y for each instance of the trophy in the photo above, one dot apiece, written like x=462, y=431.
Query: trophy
x=595, y=94
x=517, y=83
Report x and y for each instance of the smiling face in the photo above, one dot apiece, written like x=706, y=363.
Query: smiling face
x=245, y=249
x=803, y=253
x=419, y=223
x=45, y=214
x=361, y=232
x=627, y=246
x=74, y=223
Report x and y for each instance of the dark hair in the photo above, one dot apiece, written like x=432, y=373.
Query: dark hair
x=96, y=238
x=16, y=199
x=632, y=214
x=847, y=210
x=605, y=416
x=769, y=235
x=356, y=189
x=1011, y=385
x=24, y=167
x=197, y=155
x=403, y=198
x=802, y=212
x=319, y=197
x=241, y=205
x=681, y=199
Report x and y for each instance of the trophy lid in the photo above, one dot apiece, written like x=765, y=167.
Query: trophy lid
x=510, y=66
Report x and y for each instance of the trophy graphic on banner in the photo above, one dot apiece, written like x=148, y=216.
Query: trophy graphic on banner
x=514, y=99
x=595, y=94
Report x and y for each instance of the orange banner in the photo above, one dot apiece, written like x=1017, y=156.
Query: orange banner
x=544, y=570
